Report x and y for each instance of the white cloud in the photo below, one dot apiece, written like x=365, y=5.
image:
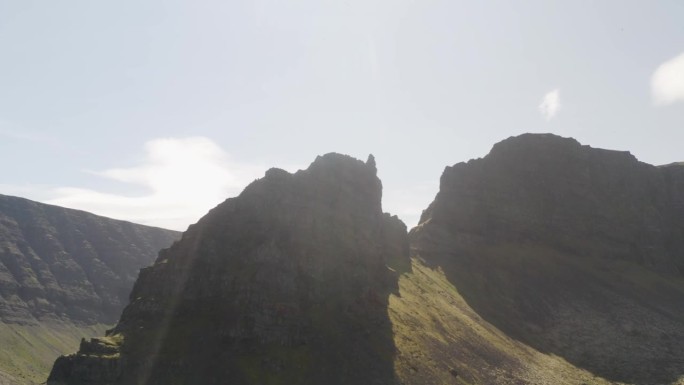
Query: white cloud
x=667, y=82
x=550, y=104
x=185, y=179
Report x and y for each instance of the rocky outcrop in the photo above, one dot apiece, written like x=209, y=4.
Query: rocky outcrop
x=573, y=250
x=288, y=283
x=549, y=190
x=69, y=265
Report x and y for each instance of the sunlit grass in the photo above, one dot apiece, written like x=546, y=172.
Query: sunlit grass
x=438, y=334
x=28, y=351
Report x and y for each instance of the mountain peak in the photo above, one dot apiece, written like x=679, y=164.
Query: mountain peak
x=533, y=141
x=551, y=147
x=291, y=278
x=339, y=163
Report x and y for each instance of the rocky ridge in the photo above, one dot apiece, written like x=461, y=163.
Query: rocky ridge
x=545, y=262
x=550, y=190
x=286, y=283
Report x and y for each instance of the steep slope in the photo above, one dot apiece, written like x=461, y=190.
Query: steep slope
x=63, y=274
x=287, y=283
x=574, y=251
x=440, y=339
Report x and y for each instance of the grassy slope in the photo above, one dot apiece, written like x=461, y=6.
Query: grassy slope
x=28, y=351
x=438, y=334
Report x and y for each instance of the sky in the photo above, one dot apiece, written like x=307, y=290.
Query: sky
x=154, y=111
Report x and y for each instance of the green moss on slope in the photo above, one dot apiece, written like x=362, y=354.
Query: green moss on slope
x=441, y=339
x=28, y=351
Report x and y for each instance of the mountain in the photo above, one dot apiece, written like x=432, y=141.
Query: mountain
x=545, y=262
x=63, y=274
x=574, y=251
x=286, y=283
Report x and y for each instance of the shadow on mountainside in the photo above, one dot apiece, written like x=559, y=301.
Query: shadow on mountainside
x=281, y=324
x=331, y=343
x=614, y=319
x=287, y=283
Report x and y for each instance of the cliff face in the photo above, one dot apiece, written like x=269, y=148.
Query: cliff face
x=69, y=265
x=575, y=251
x=286, y=283
x=544, y=189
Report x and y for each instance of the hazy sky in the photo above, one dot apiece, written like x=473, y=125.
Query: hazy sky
x=155, y=111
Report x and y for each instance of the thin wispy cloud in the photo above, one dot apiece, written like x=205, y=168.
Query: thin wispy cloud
x=184, y=178
x=550, y=104
x=667, y=82
x=7, y=131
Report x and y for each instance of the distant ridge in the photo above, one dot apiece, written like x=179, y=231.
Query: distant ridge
x=58, y=263
x=63, y=274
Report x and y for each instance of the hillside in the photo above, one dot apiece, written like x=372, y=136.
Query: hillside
x=64, y=274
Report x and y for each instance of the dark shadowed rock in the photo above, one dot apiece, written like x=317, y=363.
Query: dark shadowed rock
x=575, y=251
x=287, y=283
